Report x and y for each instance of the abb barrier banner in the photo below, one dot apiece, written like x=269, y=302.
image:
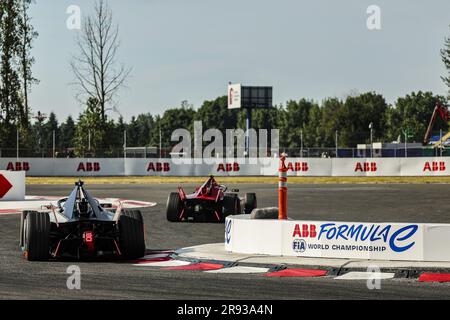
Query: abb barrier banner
x=366, y=167
x=306, y=167
x=12, y=186
x=39, y=167
x=88, y=167
x=319, y=167
x=425, y=167
x=168, y=167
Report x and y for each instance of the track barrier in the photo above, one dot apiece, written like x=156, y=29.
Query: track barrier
x=307, y=167
x=333, y=239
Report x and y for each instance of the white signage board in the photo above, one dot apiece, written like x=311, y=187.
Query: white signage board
x=12, y=186
x=346, y=240
x=234, y=96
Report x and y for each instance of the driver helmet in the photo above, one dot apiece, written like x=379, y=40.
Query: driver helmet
x=83, y=207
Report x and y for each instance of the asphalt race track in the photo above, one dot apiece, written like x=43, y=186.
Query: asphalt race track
x=20, y=279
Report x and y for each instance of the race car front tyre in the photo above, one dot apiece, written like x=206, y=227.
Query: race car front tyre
x=36, y=232
x=174, y=207
x=249, y=202
x=132, y=240
x=231, y=205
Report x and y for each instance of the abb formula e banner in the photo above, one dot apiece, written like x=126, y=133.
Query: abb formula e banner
x=319, y=167
x=12, y=186
x=348, y=240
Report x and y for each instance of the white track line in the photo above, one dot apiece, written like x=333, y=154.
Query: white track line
x=353, y=275
x=169, y=263
x=155, y=256
x=240, y=269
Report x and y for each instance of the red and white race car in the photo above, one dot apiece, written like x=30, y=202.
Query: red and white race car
x=209, y=203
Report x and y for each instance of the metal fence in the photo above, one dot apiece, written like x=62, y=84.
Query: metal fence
x=366, y=153
x=154, y=152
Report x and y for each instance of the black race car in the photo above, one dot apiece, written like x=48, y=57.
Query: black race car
x=80, y=227
x=209, y=203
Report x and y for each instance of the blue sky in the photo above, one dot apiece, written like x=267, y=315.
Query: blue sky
x=189, y=50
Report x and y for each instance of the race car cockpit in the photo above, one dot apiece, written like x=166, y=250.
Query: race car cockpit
x=84, y=209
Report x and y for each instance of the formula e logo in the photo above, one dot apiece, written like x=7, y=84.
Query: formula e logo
x=228, y=226
x=299, y=245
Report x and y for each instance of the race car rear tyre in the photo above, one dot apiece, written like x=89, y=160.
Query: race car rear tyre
x=174, y=207
x=23, y=216
x=36, y=233
x=231, y=205
x=132, y=240
x=249, y=202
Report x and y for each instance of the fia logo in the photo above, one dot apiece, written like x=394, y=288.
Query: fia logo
x=299, y=245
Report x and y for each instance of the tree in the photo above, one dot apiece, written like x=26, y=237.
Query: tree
x=356, y=114
x=67, y=132
x=16, y=35
x=298, y=117
x=26, y=36
x=445, y=54
x=215, y=114
x=96, y=71
x=139, y=130
x=90, y=130
x=154, y=131
x=49, y=127
x=313, y=136
x=10, y=102
x=117, y=136
x=393, y=125
x=413, y=113
x=267, y=118
x=329, y=124
x=172, y=119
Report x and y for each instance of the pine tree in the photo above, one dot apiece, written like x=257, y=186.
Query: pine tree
x=90, y=132
x=67, y=132
x=10, y=102
x=26, y=35
x=16, y=35
x=445, y=54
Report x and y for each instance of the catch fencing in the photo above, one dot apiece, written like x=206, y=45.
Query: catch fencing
x=166, y=153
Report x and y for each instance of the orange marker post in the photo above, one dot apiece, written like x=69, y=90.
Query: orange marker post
x=282, y=189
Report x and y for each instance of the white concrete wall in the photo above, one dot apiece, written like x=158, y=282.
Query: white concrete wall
x=351, y=167
x=329, y=239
